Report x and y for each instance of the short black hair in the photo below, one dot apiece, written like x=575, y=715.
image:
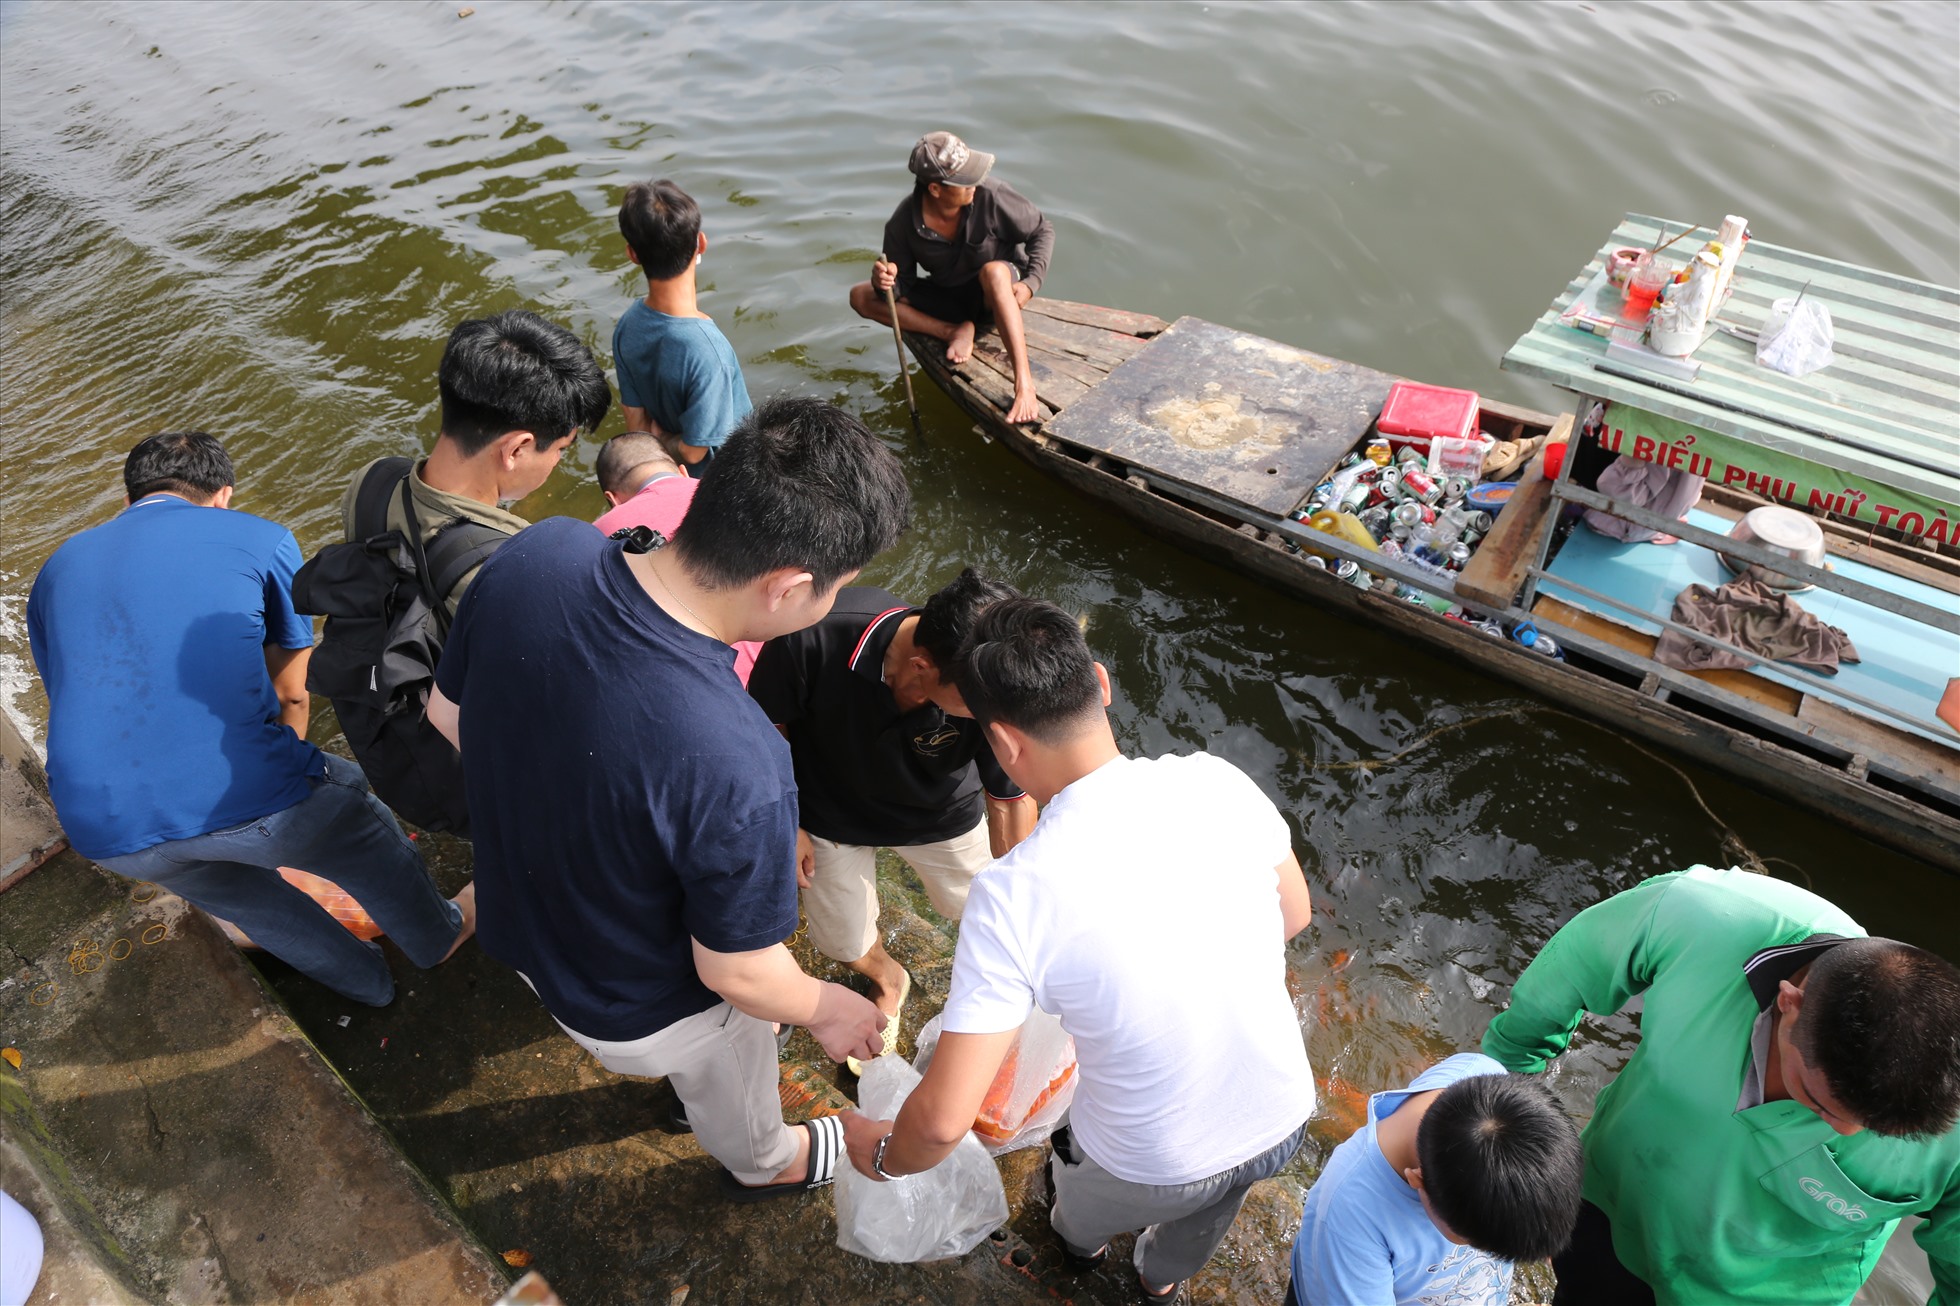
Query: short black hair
x=1502, y=1166
x=663, y=225
x=1026, y=664
x=947, y=619
x=1881, y=1020
x=620, y=456
x=189, y=463
x=514, y=371
x=801, y=484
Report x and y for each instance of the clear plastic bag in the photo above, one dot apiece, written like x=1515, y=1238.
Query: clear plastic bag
x=945, y=1211
x=1797, y=339
x=1031, y=1093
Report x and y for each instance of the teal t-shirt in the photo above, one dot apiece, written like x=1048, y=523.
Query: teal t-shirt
x=683, y=371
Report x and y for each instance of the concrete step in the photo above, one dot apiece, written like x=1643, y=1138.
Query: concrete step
x=179, y=1137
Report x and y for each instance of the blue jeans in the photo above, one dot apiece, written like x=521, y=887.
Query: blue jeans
x=340, y=831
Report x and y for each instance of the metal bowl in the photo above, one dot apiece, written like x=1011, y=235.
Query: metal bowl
x=1793, y=534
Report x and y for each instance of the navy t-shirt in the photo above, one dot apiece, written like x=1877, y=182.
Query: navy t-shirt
x=150, y=634
x=626, y=795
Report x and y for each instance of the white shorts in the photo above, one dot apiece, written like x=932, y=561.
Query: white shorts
x=841, y=903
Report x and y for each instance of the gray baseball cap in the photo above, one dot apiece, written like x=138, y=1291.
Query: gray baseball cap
x=944, y=157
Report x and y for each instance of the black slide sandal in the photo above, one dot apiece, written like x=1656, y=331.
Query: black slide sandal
x=826, y=1153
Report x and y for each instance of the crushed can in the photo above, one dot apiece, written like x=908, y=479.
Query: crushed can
x=1480, y=522
x=1421, y=485
x=1357, y=497
x=1455, y=487
x=1350, y=571
x=1458, y=556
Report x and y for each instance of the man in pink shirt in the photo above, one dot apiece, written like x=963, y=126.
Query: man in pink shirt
x=646, y=487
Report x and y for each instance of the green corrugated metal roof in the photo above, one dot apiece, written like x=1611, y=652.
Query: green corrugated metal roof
x=1888, y=406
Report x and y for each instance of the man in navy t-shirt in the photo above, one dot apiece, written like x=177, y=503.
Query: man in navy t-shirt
x=176, y=677
x=634, y=812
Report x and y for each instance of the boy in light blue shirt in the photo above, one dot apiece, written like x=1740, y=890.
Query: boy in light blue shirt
x=678, y=375
x=1453, y=1179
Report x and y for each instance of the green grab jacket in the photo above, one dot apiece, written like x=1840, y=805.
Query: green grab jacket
x=1711, y=1204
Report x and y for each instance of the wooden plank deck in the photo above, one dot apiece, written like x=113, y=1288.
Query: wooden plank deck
x=1253, y=420
x=1071, y=348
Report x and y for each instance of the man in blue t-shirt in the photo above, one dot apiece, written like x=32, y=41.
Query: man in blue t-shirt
x=1453, y=1179
x=678, y=375
x=634, y=811
x=176, y=675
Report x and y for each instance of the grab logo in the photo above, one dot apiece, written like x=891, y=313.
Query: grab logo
x=1832, y=1202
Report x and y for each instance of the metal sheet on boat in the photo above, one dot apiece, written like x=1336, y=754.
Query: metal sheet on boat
x=1249, y=418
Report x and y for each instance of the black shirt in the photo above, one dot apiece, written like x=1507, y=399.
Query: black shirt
x=1000, y=224
x=866, y=773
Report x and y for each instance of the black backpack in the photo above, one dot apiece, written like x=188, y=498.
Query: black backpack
x=382, y=595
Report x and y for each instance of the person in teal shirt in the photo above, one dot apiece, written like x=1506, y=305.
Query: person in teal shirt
x=1792, y=1098
x=678, y=376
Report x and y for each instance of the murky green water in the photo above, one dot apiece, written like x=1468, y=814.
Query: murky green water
x=261, y=220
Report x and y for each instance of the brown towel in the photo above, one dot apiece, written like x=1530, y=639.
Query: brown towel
x=1753, y=616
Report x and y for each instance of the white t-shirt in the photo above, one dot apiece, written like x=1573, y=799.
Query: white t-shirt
x=1144, y=913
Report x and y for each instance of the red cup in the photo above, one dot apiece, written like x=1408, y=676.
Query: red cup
x=1644, y=287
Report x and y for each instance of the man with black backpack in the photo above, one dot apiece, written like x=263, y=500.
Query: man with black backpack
x=516, y=391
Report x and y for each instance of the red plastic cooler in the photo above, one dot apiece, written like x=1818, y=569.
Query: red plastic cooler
x=1414, y=414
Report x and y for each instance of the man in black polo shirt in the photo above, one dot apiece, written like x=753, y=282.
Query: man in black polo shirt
x=886, y=756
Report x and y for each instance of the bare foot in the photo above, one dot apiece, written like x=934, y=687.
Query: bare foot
x=467, y=901
x=1025, y=407
x=1665, y=539
x=960, y=347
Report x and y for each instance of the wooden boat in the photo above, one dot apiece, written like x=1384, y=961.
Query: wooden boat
x=1211, y=438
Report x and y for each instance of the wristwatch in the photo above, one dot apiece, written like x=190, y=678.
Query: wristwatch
x=878, y=1161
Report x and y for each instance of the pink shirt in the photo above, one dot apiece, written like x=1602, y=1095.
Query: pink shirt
x=660, y=505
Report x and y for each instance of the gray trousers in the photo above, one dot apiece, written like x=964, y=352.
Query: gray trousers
x=722, y=1065
x=1182, y=1223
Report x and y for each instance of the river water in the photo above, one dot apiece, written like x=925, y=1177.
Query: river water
x=261, y=220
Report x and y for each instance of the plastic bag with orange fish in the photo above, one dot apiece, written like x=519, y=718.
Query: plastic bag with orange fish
x=1032, y=1090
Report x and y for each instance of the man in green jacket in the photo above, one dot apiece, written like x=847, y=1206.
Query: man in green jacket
x=1792, y=1098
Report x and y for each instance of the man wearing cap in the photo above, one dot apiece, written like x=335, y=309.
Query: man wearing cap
x=983, y=249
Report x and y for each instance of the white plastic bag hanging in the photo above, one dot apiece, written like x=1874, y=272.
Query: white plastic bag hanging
x=945, y=1211
x=1797, y=339
x=1032, y=1091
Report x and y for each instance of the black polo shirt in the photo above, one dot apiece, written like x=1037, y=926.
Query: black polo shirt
x=867, y=773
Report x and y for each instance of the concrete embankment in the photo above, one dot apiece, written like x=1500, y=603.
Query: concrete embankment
x=175, y=1132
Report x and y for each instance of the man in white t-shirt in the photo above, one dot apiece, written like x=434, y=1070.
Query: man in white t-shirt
x=1140, y=874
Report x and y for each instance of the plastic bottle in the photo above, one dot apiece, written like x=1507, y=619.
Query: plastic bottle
x=1528, y=635
x=1343, y=525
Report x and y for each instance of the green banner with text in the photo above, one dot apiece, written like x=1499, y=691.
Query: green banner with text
x=1779, y=477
